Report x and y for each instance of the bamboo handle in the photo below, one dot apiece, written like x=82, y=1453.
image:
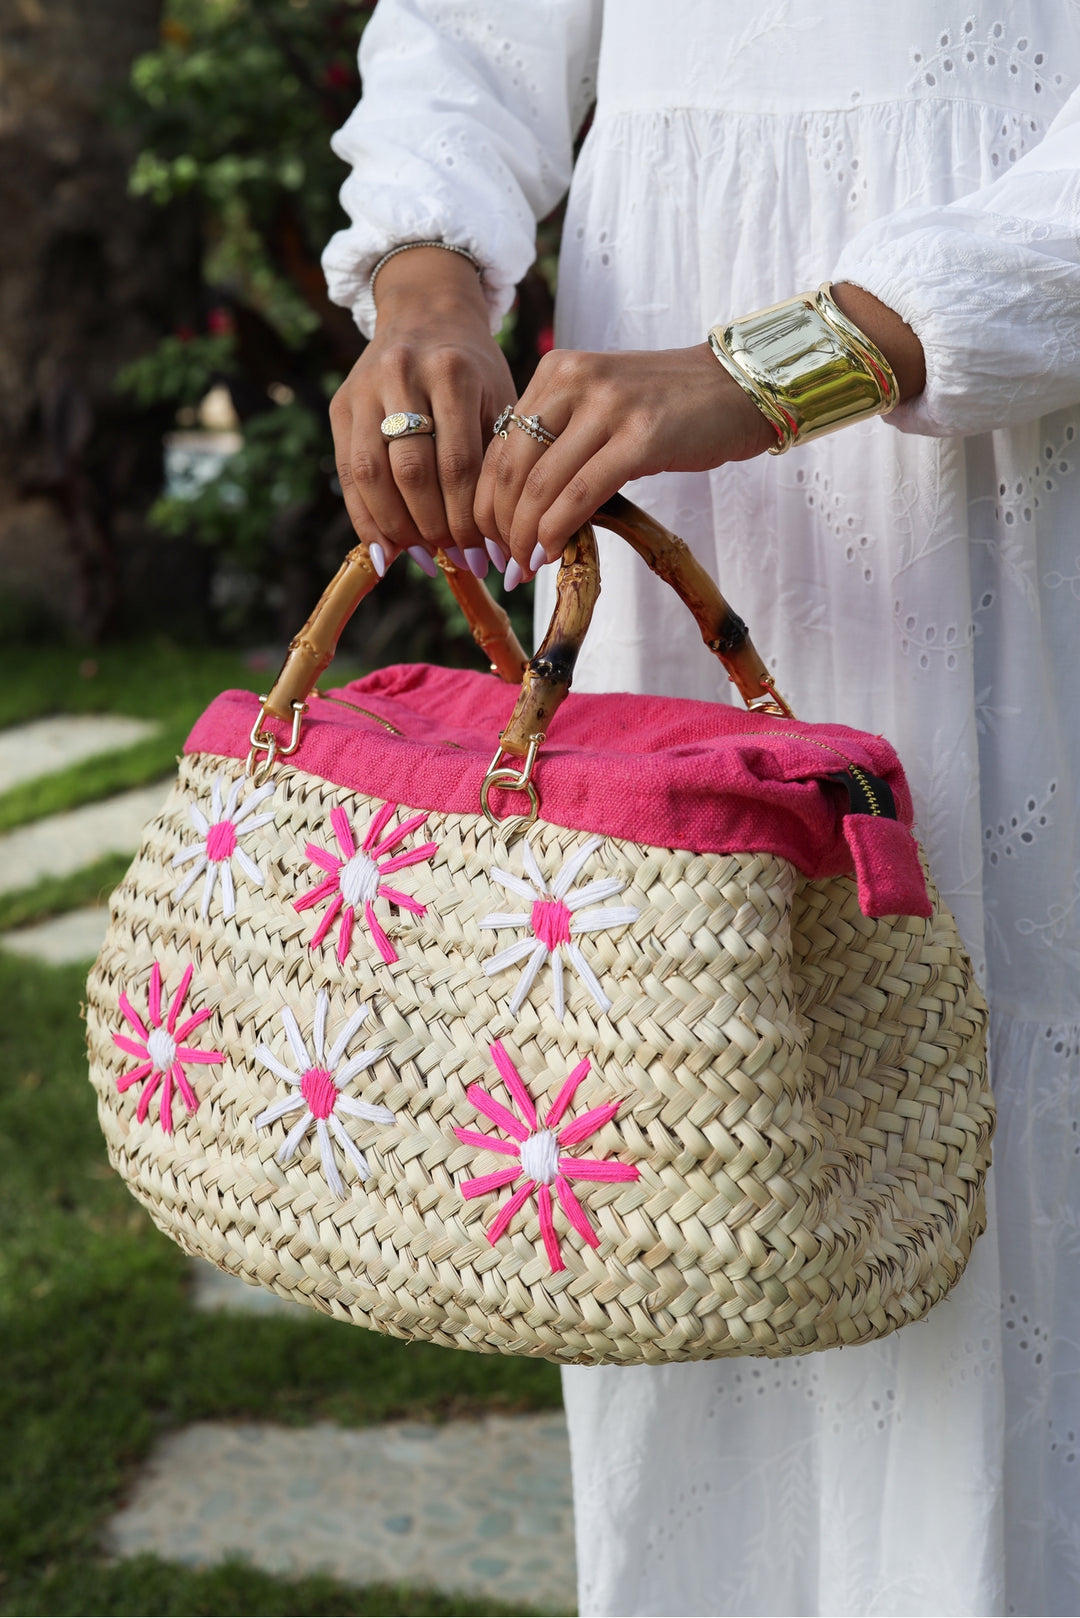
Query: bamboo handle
x=546, y=678
x=313, y=648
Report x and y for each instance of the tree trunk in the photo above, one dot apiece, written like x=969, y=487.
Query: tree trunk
x=91, y=278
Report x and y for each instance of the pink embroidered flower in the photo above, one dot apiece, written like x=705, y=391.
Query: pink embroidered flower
x=355, y=882
x=319, y=1083
x=540, y=1155
x=220, y=844
x=160, y=1050
x=553, y=924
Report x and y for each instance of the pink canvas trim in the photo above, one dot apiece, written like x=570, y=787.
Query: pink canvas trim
x=662, y=771
x=512, y=1079
x=887, y=868
x=500, y=1224
x=547, y=1230
x=496, y=1112
x=589, y=1122
x=566, y=1094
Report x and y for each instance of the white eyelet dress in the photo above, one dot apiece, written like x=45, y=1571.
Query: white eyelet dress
x=919, y=577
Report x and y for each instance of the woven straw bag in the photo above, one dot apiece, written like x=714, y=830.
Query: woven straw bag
x=692, y=1064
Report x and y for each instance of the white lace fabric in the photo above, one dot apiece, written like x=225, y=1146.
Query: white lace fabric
x=924, y=583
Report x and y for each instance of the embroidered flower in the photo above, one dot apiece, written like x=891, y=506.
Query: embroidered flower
x=554, y=923
x=160, y=1050
x=355, y=882
x=220, y=844
x=539, y=1154
x=318, y=1084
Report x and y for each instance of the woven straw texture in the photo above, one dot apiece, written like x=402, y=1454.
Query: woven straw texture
x=802, y=1091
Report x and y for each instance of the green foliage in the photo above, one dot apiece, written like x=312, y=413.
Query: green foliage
x=233, y=113
x=103, y=1353
x=179, y=371
x=275, y=474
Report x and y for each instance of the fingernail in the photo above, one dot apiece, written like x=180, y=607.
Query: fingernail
x=423, y=560
x=513, y=575
x=476, y=561
x=454, y=555
x=496, y=553
x=378, y=557
x=537, y=559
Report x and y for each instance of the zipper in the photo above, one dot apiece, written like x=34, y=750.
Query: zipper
x=864, y=780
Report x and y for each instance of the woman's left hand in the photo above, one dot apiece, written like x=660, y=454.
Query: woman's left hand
x=616, y=417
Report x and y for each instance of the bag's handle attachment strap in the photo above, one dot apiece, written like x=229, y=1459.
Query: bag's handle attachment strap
x=264, y=741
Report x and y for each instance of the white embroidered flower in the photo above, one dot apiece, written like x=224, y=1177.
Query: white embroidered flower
x=319, y=1083
x=556, y=918
x=220, y=844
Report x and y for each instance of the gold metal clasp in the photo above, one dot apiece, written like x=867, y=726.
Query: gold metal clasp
x=264, y=741
x=512, y=780
x=774, y=703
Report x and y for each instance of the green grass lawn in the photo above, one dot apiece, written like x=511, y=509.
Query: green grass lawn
x=101, y=1350
x=148, y=679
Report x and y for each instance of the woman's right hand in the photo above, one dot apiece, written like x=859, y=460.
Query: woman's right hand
x=432, y=352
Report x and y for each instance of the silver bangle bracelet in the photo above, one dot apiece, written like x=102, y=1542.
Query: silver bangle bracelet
x=405, y=247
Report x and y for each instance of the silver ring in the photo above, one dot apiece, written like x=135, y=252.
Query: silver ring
x=406, y=424
x=531, y=425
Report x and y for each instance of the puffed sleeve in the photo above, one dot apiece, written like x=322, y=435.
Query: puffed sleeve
x=990, y=283
x=464, y=134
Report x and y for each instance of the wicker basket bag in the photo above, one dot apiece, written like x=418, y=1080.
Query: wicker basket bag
x=682, y=1060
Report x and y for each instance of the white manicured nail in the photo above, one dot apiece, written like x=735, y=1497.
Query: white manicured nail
x=455, y=556
x=476, y=561
x=378, y=557
x=498, y=556
x=513, y=575
x=537, y=559
x=423, y=560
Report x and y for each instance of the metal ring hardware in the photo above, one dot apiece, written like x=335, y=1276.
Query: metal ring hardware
x=266, y=741
x=512, y=780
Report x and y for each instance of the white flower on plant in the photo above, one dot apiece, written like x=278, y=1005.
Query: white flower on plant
x=220, y=844
x=556, y=919
x=319, y=1082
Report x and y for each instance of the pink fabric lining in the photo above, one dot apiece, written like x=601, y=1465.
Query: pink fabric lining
x=666, y=772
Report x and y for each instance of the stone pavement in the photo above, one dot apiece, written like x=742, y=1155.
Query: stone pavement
x=62, y=940
x=482, y=1507
x=62, y=844
x=50, y=744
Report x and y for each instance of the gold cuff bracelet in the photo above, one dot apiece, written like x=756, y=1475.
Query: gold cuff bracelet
x=808, y=369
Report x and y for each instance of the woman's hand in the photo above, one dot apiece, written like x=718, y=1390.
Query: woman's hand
x=622, y=416
x=433, y=353
x=616, y=417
